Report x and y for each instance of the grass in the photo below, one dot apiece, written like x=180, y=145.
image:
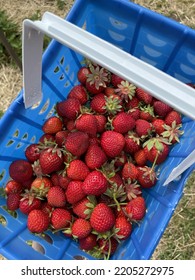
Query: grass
x=178, y=240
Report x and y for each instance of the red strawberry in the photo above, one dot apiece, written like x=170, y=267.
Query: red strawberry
x=95, y=157
x=147, y=113
x=98, y=103
x=63, y=180
x=51, y=160
x=173, y=116
x=143, y=128
x=136, y=208
x=101, y=123
x=140, y=157
x=13, y=201
x=132, y=103
x=47, y=137
x=29, y=203
x=112, y=143
x=123, y=228
x=132, y=189
x=81, y=228
x=77, y=170
x=87, y=123
x=97, y=79
x=60, y=218
x=144, y=96
x=132, y=142
x=38, y=221
x=158, y=125
x=60, y=137
x=125, y=90
x=79, y=92
x=108, y=246
x=74, y=192
x=116, y=80
x=129, y=171
x=52, y=125
x=95, y=183
x=88, y=243
x=84, y=207
x=20, y=170
x=82, y=74
x=102, y=218
x=161, y=109
x=69, y=108
x=56, y=197
x=123, y=122
x=13, y=187
x=77, y=142
x=146, y=177
x=32, y=152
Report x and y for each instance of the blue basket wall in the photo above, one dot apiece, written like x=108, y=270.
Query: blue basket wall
x=149, y=36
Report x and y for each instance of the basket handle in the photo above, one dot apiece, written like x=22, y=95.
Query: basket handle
x=161, y=85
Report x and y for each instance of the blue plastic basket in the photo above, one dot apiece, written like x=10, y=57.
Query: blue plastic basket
x=147, y=35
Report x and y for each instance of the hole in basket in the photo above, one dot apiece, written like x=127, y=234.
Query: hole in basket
x=2, y=174
x=9, y=143
x=33, y=139
x=62, y=77
x=62, y=60
x=77, y=257
x=36, y=246
x=16, y=133
x=67, y=84
x=46, y=237
x=45, y=107
x=57, y=69
x=67, y=68
x=35, y=105
x=3, y=221
x=10, y=212
x=19, y=145
x=25, y=136
x=117, y=24
x=84, y=25
x=51, y=112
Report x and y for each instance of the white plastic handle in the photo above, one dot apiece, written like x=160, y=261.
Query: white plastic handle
x=159, y=84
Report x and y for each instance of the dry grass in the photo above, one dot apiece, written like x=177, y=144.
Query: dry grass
x=178, y=241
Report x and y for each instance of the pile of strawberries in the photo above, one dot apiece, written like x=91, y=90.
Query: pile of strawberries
x=86, y=174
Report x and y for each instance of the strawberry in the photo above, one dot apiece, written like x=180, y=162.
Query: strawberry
x=97, y=79
x=88, y=243
x=132, y=103
x=143, y=128
x=112, y=143
x=136, y=208
x=87, y=123
x=144, y=96
x=132, y=189
x=74, y=192
x=156, y=149
x=77, y=142
x=146, y=177
x=158, y=125
x=108, y=246
x=79, y=92
x=98, y=103
x=173, y=116
x=60, y=137
x=60, y=218
x=63, y=180
x=123, y=228
x=32, y=152
x=173, y=132
x=147, y=113
x=28, y=203
x=129, y=171
x=41, y=185
x=125, y=90
x=69, y=108
x=135, y=113
x=101, y=123
x=84, y=207
x=132, y=142
x=77, y=170
x=102, y=218
x=82, y=74
x=81, y=228
x=51, y=160
x=95, y=183
x=46, y=137
x=116, y=80
x=56, y=197
x=13, y=201
x=123, y=122
x=38, y=221
x=140, y=157
x=95, y=157
x=52, y=125
x=13, y=187
x=161, y=109
x=20, y=170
